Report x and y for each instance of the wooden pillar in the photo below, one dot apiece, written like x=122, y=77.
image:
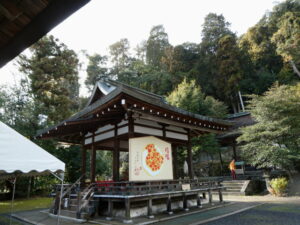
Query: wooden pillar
x=210, y=197
x=199, y=203
x=174, y=157
x=169, y=205
x=130, y=125
x=190, y=156
x=116, y=156
x=234, y=150
x=110, y=209
x=93, y=163
x=184, y=202
x=127, y=211
x=220, y=195
x=149, y=211
x=83, y=165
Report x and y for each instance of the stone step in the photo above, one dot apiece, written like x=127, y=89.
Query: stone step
x=233, y=189
x=233, y=186
x=233, y=183
x=236, y=193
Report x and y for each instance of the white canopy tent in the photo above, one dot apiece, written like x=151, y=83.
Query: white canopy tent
x=19, y=156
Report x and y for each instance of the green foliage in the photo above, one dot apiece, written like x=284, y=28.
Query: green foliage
x=229, y=71
x=156, y=45
x=188, y=96
x=95, y=70
x=120, y=58
x=214, y=28
x=274, y=139
x=53, y=72
x=279, y=185
x=287, y=37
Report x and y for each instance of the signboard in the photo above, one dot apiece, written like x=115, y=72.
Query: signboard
x=150, y=158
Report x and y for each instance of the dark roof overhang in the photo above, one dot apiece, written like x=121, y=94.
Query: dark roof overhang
x=22, y=23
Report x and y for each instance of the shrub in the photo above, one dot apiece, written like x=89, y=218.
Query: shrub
x=279, y=185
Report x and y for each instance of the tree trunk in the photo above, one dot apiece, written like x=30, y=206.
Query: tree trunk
x=266, y=175
x=30, y=181
x=295, y=68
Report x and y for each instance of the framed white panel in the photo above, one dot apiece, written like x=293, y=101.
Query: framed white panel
x=147, y=130
x=123, y=130
x=104, y=136
x=150, y=158
x=174, y=128
x=88, y=134
x=148, y=122
x=88, y=141
x=174, y=135
x=123, y=122
x=106, y=127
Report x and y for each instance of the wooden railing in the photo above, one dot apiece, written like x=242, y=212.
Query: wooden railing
x=145, y=187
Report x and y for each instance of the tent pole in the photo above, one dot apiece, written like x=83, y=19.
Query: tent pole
x=12, y=200
x=60, y=199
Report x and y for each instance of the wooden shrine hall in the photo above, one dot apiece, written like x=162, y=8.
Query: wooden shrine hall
x=117, y=112
x=118, y=117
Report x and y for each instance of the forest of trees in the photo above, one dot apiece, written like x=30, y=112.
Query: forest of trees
x=204, y=78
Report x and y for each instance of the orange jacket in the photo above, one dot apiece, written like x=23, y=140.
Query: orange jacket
x=232, y=165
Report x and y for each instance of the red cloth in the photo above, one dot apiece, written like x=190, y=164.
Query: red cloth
x=104, y=183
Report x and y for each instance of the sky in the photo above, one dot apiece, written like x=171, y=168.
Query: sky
x=101, y=23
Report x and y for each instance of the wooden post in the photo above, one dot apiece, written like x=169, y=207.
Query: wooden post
x=93, y=164
x=190, y=156
x=185, y=205
x=110, y=209
x=149, y=214
x=174, y=157
x=199, y=204
x=116, y=156
x=127, y=211
x=130, y=125
x=169, y=205
x=83, y=165
x=220, y=195
x=234, y=150
x=210, y=198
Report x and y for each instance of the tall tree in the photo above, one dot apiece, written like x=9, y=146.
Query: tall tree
x=53, y=72
x=96, y=69
x=214, y=28
x=120, y=57
x=229, y=71
x=156, y=44
x=180, y=58
x=287, y=39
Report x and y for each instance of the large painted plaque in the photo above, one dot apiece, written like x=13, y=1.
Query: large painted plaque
x=150, y=158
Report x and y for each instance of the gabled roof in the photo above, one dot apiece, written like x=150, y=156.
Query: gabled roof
x=107, y=92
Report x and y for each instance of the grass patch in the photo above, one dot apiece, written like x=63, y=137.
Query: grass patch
x=5, y=221
x=25, y=204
